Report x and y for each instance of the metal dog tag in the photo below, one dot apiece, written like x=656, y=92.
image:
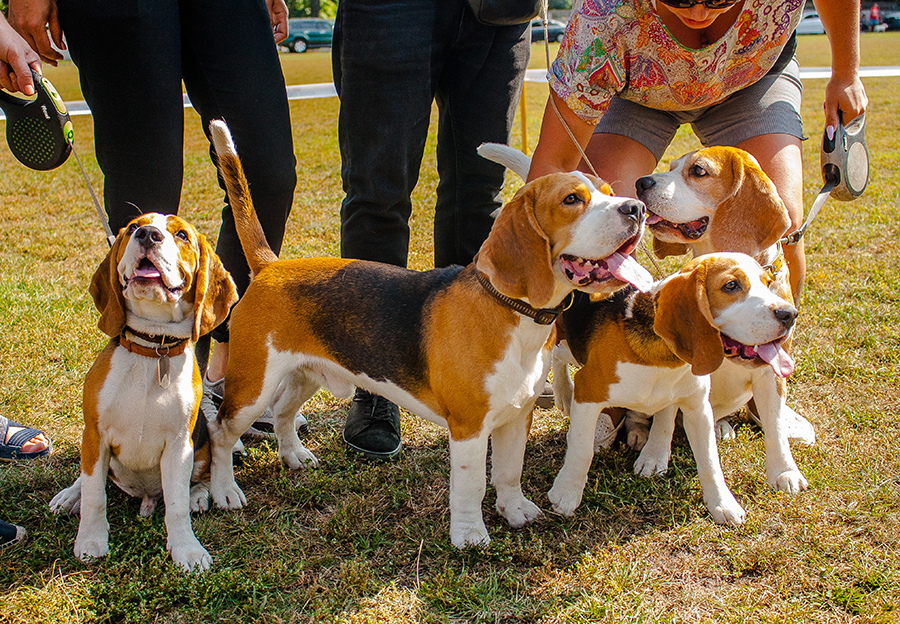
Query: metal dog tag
x=162, y=371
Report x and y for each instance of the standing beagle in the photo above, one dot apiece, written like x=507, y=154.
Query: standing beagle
x=718, y=199
x=653, y=352
x=466, y=348
x=159, y=288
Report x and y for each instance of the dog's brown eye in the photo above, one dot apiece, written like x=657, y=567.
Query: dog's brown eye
x=182, y=234
x=131, y=229
x=732, y=287
x=572, y=199
x=698, y=171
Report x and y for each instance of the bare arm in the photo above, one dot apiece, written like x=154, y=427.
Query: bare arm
x=278, y=12
x=555, y=150
x=844, y=91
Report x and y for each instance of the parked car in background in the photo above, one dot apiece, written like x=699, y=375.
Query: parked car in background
x=555, y=30
x=308, y=32
x=810, y=24
x=891, y=19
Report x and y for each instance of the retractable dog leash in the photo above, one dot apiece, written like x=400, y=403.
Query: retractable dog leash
x=845, y=169
x=41, y=136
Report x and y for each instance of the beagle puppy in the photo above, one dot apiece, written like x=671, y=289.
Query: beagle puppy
x=718, y=199
x=653, y=352
x=160, y=287
x=465, y=348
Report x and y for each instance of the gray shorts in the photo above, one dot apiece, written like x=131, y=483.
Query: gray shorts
x=769, y=106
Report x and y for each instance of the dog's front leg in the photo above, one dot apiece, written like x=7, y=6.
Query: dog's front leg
x=468, y=462
x=654, y=457
x=699, y=426
x=782, y=472
x=182, y=544
x=568, y=487
x=507, y=458
x=92, y=540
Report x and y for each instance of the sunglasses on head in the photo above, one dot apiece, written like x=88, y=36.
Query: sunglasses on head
x=709, y=4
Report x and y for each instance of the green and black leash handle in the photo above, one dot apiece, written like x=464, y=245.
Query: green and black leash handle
x=41, y=136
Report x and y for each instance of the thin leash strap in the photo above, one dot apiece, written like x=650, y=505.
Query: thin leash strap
x=110, y=238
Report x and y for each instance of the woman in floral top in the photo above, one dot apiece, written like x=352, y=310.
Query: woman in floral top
x=630, y=72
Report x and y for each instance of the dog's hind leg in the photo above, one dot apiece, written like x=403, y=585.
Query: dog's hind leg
x=507, y=458
x=295, y=390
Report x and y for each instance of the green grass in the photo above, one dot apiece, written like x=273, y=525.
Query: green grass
x=354, y=542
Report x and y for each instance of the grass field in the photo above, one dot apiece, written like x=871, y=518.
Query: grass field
x=356, y=542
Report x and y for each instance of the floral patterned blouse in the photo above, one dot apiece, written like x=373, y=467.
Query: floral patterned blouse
x=621, y=47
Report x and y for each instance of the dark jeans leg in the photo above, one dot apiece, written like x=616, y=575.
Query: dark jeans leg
x=231, y=72
x=478, y=94
x=129, y=62
x=383, y=57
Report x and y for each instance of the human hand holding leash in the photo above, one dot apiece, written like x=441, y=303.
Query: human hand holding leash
x=17, y=60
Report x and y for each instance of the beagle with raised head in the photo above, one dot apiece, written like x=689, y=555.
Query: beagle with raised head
x=653, y=352
x=160, y=287
x=718, y=199
x=466, y=348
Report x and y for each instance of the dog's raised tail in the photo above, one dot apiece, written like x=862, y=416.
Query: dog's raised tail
x=509, y=157
x=253, y=239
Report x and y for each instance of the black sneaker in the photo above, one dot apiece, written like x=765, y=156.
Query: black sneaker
x=373, y=426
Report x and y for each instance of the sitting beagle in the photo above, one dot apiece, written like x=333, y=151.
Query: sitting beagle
x=653, y=352
x=466, y=348
x=159, y=288
x=718, y=199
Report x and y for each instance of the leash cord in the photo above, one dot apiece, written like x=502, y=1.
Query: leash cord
x=109, y=235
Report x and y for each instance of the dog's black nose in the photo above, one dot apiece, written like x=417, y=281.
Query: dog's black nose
x=633, y=209
x=148, y=236
x=644, y=184
x=786, y=315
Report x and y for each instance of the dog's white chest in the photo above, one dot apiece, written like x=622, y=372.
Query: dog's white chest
x=138, y=416
x=518, y=375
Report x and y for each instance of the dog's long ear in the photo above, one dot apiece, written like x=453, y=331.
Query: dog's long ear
x=663, y=249
x=753, y=217
x=516, y=255
x=107, y=291
x=214, y=292
x=684, y=320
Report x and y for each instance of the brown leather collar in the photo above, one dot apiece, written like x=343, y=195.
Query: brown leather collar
x=163, y=350
x=541, y=316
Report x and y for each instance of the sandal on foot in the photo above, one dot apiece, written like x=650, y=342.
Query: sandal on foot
x=10, y=534
x=11, y=445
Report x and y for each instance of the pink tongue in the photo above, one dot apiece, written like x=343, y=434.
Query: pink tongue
x=777, y=358
x=627, y=269
x=148, y=272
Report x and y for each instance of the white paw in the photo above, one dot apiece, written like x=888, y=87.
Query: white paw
x=724, y=430
x=728, y=511
x=229, y=497
x=649, y=463
x=191, y=557
x=200, y=497
x=565, y=500
x=789, y=482
x=238, y=448
x=297, y=456
x=797, y=427
x=463, y=534
x=68, y=500
x=518, y=511
x=90, y=549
